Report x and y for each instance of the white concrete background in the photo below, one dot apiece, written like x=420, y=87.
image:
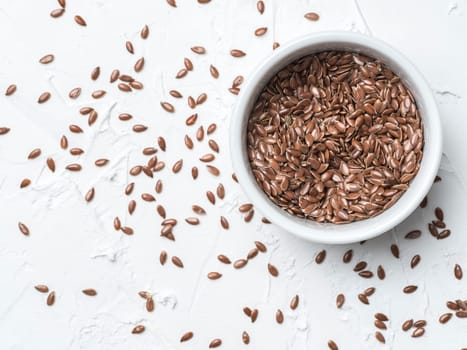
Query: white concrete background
x=73, y=245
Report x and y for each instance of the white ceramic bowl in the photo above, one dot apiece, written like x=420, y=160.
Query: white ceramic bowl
x=359, y=230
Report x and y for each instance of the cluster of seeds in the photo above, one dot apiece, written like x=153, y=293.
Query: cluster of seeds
x=318, y=123
x=335, y=137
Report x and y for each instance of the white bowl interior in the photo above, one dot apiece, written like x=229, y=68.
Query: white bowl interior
x=359, y=230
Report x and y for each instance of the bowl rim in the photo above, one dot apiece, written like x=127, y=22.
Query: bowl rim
x=274, y=62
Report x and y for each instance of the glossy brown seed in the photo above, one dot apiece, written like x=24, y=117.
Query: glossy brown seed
x=150, y=305
x=413, y=234
x=320, y=257
x=57, y=13
x=62, y=3
x=220, y=191
x=51, y=299
x=185, y=337
x=194, y=173
x=44, y=97
x=214, y=275
x=224, y=223
x=363, y=298
x=201, y=98
x=444, y=234
x=260, y=246
x=215, y=343
x=439, y=213
x=25, y=183
x=273, y=270
x=168, y=107
x=42, y=288
x=369, y=291
x=294, y=302
x=129, y=47
x=192, y=221
x=214, y=71
x=419, y=323
x=177, y=166
x=332, y=345
x=247, y=311
x=10, y=90
x=34, y=153
x=245, y=338
x=76, y=151
x=92, y=118
x=95, y=73
x=410, y=289
x=312, y=16
x=144, y=294
x=181, y=73
x=138, y=329
x=172, y=3
x=74, y=93
x=117, y=224
x=200, y=133
x=90, y=292
x=89, y=195
x=261, y=31
x=127, y=230
x=206, y=158
x=254, y=315
x=129, y=188
x=145, y=32
x=175, y=93
x=407, y=325
x=415, y=261
x=237, y=53
x=418, y=332
x=361, y=265
x=177, y=262
x=200, y=50
x=198, y=210
x=139, y=128
x=114, y=75
x=458, y=272
x=163, y=257
x=366, y=274
x=211, y=197
x=279, y=316
x=347, y=257
x=147, y=197
x=4, y=130
x=211, y=128
x=188, y=64
x=125, y=116
x=223, y=259
x=23, y=229
x=453, y=306
x=213, y=170
x=80, y=20
x=461, y=314
x=275, y=45
x=191, y=119
x=46, y=59
x=395, y=251
x=238, y=264
x=260, y=6
x=444, y=318
x=340, y=300
x=380, y=337
x=381, y=317
x=98, y=94
x=138, y=67
x=381, y=273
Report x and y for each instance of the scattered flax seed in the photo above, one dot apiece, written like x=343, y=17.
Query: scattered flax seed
x=34, y=153
x=191, y=119
x=439, y=213
x=181, y=73
x=275, y=45
x=363, y=298
x=147, y=197
x=188, y=64
x=381, y=317
x=200, y=50
x=260, y=6
x=172, y=3
x=419, y=323
x=211, y=197
x=201, y=98
x=62, y=3
x=44, y=97
x=185, y=337
x=223, y=259
x=461, y=314
x=214, y=72
x=361, y=265
x=138, y=329
x=10, y=90
x=294, y=302
x=177, y=262
x=211, y=128
x=101, y=162
x=247, y=311
x=213, y=170
x=381, y=273
x=395, y=251
x=89, y=291
x=347, y=257
x=261, y=31
x=42, y=288
x=273, y=270
x=413, y=234
x=139, y=65
x=238, y=264
x=74, y=93
x=51, y=299
x=194, y=173
x=127, y=230
x=124, y=87
x=312, y=16
x=245, y=338
x=80, y=20
x=320, y=257
x=444, y=318
x=150, y=305
x=418, y=332
x=47, y=59
x=117, y=224
x=237, y=53
x=279, y=316
x=192, y=221
x=215, y=343
x=332, y=345
x=129, y=47
x=458, y=272
x=23, y=229
x=57, y=13
x=407, y=325
x=177, y=166
x=369, y=291
x=415, y=261
x=163, y=257
x=145, y=32
x=340, y=300
x=89, y=195
x=168, y=107
x=366, y=274
x=214, y=275
x=224, y=223
x=254, y=315
x=98, y=94
x=25, y=183
x=410, y=289
x=380, y=337
x=220, y=191
x=200, y=133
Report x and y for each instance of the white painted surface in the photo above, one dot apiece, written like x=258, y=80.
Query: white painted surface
x=73, y=245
